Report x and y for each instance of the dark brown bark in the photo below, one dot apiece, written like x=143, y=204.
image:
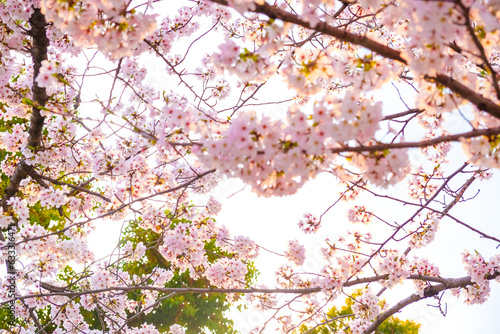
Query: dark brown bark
x=38, y=53
x=424, y=143
x=465, y=92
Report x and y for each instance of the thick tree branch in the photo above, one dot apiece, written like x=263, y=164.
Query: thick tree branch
x=38, y=54
x=444, y=283
x=341, y=34
x=423, y=143
x=34, y=317
x=35, y=175
x=13, y=187
x=429, y=291
x=476, y=99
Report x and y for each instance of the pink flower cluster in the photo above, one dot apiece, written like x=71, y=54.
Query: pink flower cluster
x=114, y=28
x=5, y=220
x=426, y=232
x=135, y=252
x=176, y=329
x=161, y=276
x=245, y=248
x=309, y=223
x=277, y=156
x=332, y=277
x=295, y=253
x=357, y=326
x=479, y=269
x=51, y=197
x=183, y=246
x=20, y=209
x=101, y=280
x=396, y=266
x=145, y=329
x=366, y=306
x=246, y=64
x=46, y=77
x=15, y=140
x=146, y=151
x=481, y=153
x=358, y=214
x=422, y=266
x=226, y=273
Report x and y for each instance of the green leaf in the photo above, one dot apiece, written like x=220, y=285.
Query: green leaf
x=60, y=78
x=28, y=102
x=247, y=55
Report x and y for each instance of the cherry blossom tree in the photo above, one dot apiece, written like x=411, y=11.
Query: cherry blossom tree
x=134, y=110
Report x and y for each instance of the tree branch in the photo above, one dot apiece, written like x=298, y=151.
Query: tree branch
x=444, y=283
x=341, y=34
x=423, y=143
x=35, y=175
x=38, y=54
x=429, y=291
x=476, y=99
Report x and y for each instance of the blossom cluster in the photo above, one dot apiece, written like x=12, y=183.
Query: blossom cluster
x=309, y=223
x=245, y=248
x=15, y=140
x=479, y=269
x=136, y=253
x=115, y=28
x=277, y=157
x=366, y=306
x=396, y=266
x=422, y=266
x=226, y=273
x=295, y=253
x=358, y=214
x=425, y=233
x=45, y=77
x=51, y=197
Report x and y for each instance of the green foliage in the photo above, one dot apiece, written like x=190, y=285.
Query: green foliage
x=50, y=219
x=392, y=325
x=5, y=314
x=199, y=313
x=247, y=55
x=288, y=145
